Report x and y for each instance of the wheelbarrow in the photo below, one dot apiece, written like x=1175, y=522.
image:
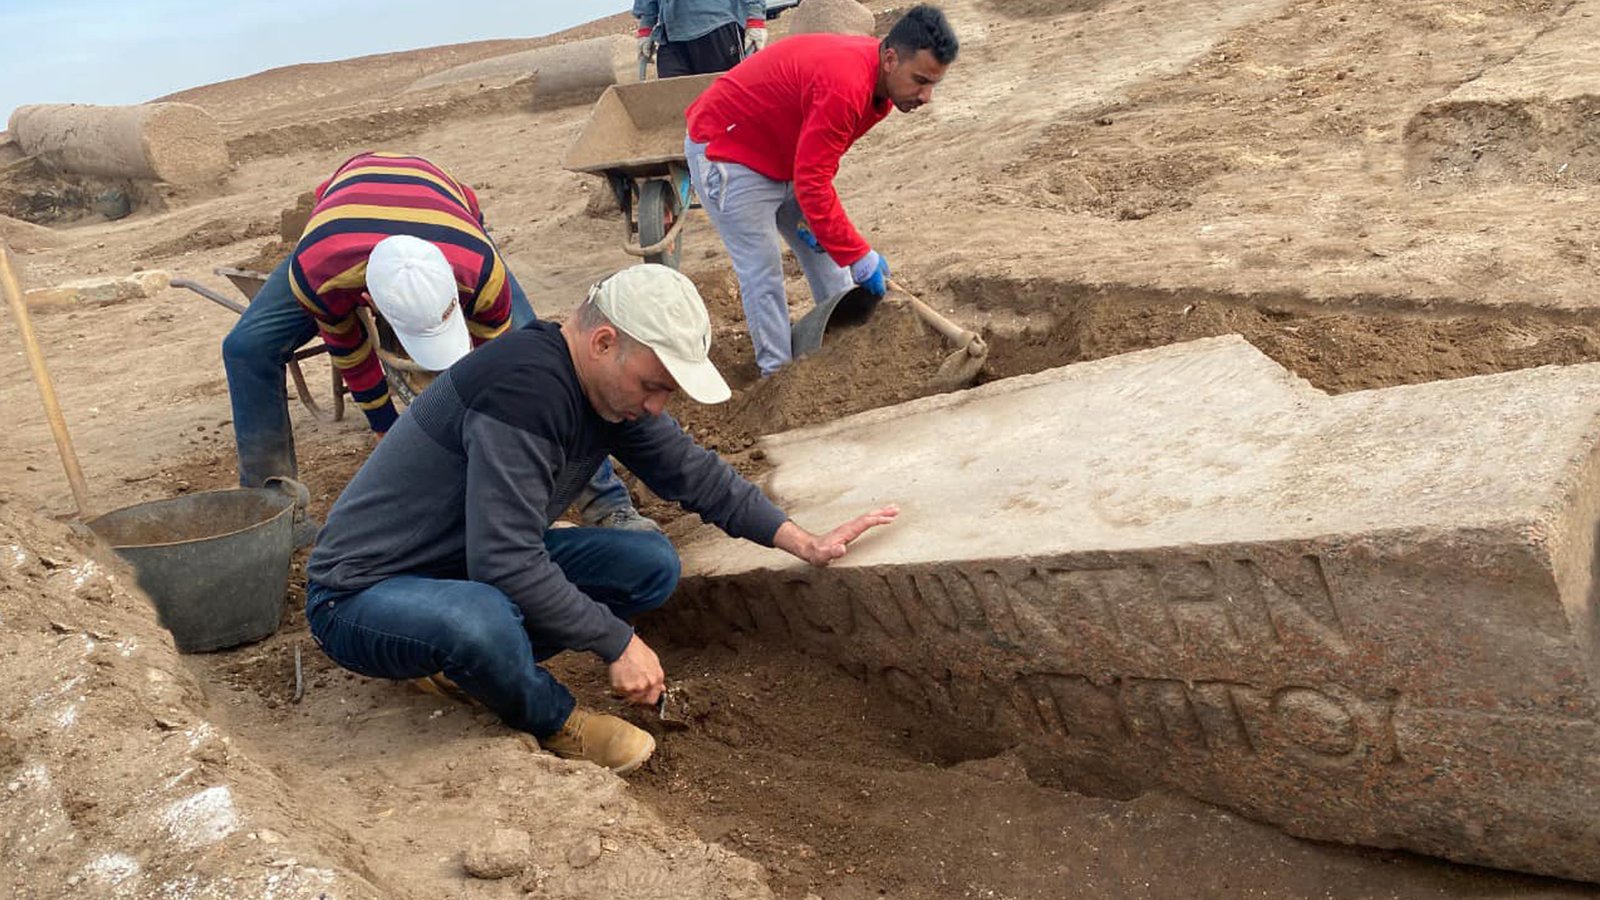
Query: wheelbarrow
x=634, y=140
x=406, y=378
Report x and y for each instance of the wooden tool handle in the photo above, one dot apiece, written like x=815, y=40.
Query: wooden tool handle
x=41, y=378
x=955, y=334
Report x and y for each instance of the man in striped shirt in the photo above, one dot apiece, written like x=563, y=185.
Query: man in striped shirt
x=323, y=284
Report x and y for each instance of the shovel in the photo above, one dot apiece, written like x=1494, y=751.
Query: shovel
x=856, y=305
x=960, y=368
x=846, y=309
x=41, y=379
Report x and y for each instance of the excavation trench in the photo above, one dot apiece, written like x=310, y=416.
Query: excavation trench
x=843, y=786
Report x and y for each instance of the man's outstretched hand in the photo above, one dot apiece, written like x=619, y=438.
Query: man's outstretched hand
x=636, y=676
x=820, y=550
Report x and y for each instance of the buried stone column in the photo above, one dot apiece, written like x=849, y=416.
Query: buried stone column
x=178, y=143
x=1363, y=618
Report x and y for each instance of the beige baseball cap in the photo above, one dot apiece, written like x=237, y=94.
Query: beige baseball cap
x=659, y=307
x=414, y=288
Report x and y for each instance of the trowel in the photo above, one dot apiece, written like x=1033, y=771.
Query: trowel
x=669, y=717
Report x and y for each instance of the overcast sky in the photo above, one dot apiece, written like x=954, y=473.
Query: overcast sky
x=129, y=51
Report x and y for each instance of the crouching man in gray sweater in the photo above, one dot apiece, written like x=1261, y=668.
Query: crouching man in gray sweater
x=439, y=556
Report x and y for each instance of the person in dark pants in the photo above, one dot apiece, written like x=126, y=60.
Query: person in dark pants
x=698, y=37
x=440, y=558
x=326, y=279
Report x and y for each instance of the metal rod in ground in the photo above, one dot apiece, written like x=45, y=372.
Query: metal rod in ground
x=41, y=378
x=299, y=676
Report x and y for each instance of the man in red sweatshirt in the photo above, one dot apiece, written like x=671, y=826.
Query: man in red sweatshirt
x=764, y=143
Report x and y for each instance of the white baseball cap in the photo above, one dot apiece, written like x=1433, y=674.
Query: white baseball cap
x=659, y=307
x=413, y=287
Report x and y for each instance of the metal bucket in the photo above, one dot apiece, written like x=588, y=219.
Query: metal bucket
x=849, y=308
x=216, y=564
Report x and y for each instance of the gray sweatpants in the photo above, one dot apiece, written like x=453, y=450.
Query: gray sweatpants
x=751, y=211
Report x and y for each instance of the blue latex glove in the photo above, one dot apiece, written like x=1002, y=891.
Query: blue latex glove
x=810, y=240
x=871, y=272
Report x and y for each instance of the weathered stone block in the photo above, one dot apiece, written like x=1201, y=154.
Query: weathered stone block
x=101, y=291
x=504, y=853
x=1366, y=618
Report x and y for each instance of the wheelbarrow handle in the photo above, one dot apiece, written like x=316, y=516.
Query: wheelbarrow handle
x=209, y=294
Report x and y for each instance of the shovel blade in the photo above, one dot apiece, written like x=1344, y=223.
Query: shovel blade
x=845, y=310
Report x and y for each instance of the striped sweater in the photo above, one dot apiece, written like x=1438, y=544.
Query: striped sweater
x=369, y=198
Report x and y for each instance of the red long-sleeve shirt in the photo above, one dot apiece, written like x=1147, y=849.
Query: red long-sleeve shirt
x=371, y=197
x=790, y=112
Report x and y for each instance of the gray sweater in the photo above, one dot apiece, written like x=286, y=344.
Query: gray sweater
x=467, y=482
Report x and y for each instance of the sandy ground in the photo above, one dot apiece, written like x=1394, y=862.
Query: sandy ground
x=1093, y=177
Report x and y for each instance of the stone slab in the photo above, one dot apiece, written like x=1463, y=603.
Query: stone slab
x=101, y=291
x=1366, y=618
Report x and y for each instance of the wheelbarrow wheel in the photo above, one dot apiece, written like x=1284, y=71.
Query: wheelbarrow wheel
x=659, y=208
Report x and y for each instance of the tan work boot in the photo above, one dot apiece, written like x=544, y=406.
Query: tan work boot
x=603, y=740
x=440, y=686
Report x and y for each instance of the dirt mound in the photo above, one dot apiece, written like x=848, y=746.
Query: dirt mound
x=1125, y=178
x=358, y=130
x=194, y=799
x=20, y=235
x=172, y=805
x=282, y=94
x=1527, y=117
x=1336, y=352
x=1525, y=140
x=268, y=257
x=889, y=359
x=208, y=236
x=1039, y=9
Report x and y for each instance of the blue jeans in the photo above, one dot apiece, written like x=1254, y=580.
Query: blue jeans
x=262, y=343
x=751, y=212
x=411, y=627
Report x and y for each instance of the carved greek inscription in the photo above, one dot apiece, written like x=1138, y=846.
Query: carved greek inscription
x=896, y=604
x=813, y=609
x=1074, y=706
x=731, y=604
x=929, y=596
x=1321, y=728
x=1216, y=608
x=1299, y=601
x=966, y=698
x=1086, y=601
x=1201, y=608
